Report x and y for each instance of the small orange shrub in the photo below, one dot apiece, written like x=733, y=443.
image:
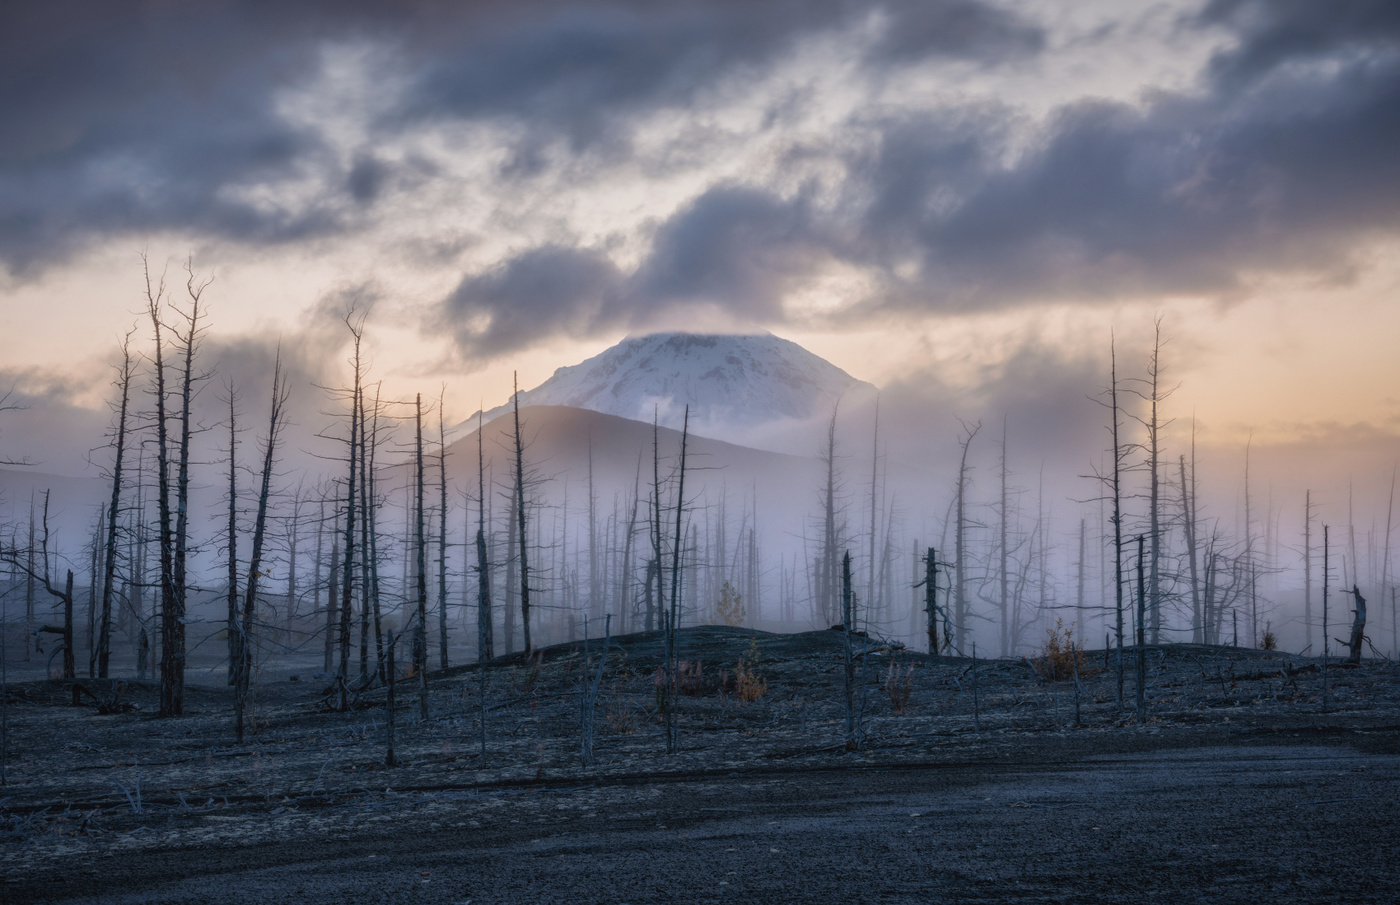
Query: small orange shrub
x=1060, y=658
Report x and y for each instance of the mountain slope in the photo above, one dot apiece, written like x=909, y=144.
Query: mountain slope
x=735, y=385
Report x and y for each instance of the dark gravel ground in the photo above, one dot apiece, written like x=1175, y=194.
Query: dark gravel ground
x=1239, y=787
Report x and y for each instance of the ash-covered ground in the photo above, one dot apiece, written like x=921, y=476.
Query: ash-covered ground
x=1247, y=781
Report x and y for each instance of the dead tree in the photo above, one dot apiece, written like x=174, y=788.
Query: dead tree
x=870, y=584
x=442, y=532
x=1358, y=627
x=370, y=521
x=828, y=563
x=930, y=584
x=23, y=561
x=1188, y=515
x=420, y=638
x=1307, y=568
x=654, y=592
x=109, y=559
x=255, y=567
x=354, y=322
x=1003, y=551
x=960, y=558
x=848, y=653
x=483, y=574
x=520, y=523
x=672, y=618
x=1141, y=638
x=173, y=538
x=231, y=592
x=1150, y=391
x=1117, y=490
x=1385, y=565
x=1326, y=581
x=483, y=587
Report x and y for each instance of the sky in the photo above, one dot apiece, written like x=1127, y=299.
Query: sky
x=934, y=193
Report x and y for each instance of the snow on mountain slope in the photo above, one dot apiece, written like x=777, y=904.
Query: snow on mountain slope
x=744, y=388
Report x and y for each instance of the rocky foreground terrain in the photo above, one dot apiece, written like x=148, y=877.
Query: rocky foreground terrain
x=996, y=781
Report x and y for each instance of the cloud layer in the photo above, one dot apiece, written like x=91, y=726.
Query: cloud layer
x=585, y=168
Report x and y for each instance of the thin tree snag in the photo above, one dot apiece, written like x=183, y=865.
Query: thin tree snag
x=672, y=619
x=109, y=559
x=1141, y=637
x=931, y=598
x=231, y=592
x=848, y=655
x=1358, y=628
x=520, y=523
x=420, y=636
x=484, y=641
x=442, y=532
x=255, y=568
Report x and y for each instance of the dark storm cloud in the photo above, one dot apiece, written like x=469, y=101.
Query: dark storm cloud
x=534, y=295
x=734, y=249
x=130, y=116
x=1281, y=160
x=577, y=66
x=1279, y=32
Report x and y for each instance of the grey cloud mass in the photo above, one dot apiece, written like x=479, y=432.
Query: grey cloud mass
x=128, y=118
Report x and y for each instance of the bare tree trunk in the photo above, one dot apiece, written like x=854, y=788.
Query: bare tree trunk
x=512, y=577
x=365, y=587
x=109, y=563
x=95, y=564
x=1141, y=640
x=870, y=583
x=420, y=640
x=231, y=592
x=1003, y=551
x=1154, y=586
x=673, y=613
x=442, y=533
x=1117, y=515
x=255, y=567
x=1358, y=627
x=371, y=548
x=960, y=613
x=333, y=600
x=29, y=584
x=173, y=615
x=484, y=643
x=595, y=591
x=520, y=522
x=1307, y=568
x=1385, y=562
x=293, y=536
x=1079, y=582
x=848, y=654
x=1326, y=581
x=828, y=574
x=355, y=324
x=171, y=602
x=931, y=598
x=1188, y=512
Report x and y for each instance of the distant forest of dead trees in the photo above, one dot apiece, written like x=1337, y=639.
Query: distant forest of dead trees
x=331, y=570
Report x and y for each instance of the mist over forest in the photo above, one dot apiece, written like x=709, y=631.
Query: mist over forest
x=1009, y=482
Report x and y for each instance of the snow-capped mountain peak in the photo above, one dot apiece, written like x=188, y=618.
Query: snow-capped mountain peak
x=737, y=386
